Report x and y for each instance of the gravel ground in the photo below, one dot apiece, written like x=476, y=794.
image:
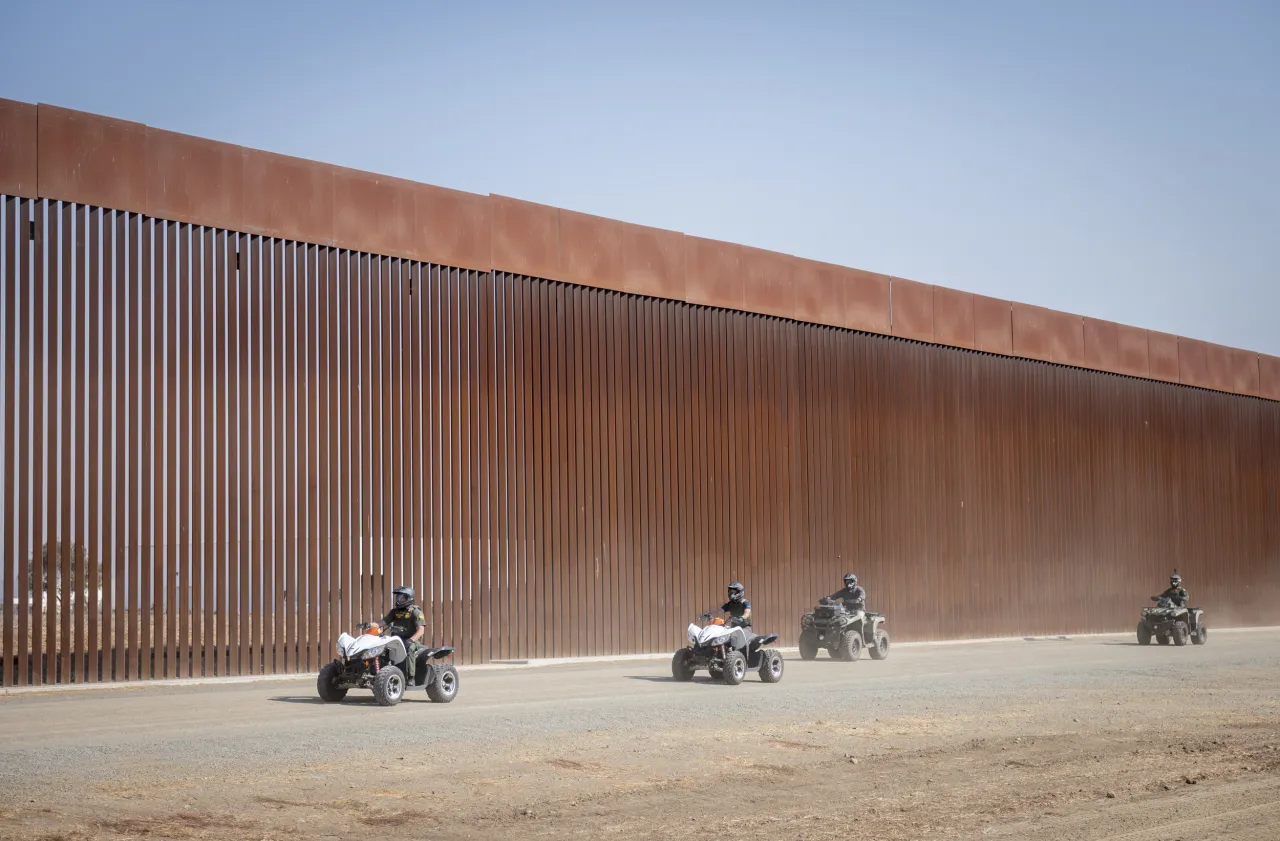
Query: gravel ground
x=1083, y=738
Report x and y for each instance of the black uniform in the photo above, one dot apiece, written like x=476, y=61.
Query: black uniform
x=736, y=610
x=853, y=598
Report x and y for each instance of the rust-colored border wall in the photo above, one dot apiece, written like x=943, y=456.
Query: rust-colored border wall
x=597, y=408
x=590, y=465
x=58, y=153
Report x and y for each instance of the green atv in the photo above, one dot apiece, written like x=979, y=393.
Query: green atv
x=1168, y=622
x=844, y=633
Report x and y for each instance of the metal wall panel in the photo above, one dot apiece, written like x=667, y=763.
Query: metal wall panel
x=221, y=450
x=18, y=149
x=11, y=232
x=60, y=641
x=40, y=389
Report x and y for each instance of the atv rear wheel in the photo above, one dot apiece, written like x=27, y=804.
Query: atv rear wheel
x=681, y=669
x=735, y=668
x=1201, y=636
x=770, y=666
x=443, y=686
x=850, y=648
x=1180, y=634
x=808, y=646
x=327, y=684
x=1163, y=639
x=880, y=650
x=1144, y=634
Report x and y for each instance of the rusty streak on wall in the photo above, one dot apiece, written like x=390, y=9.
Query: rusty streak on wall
x=263, y=435
x=56, y=153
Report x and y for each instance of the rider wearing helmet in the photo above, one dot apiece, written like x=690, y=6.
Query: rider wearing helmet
x=407, y=621
x=1177, y=595
x=737, y=610
x=852, y=596
x=1176, y=592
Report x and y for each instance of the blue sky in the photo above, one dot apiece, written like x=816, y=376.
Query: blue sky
x=1116, y=159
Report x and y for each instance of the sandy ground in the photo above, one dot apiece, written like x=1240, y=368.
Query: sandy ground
x=1056, y=739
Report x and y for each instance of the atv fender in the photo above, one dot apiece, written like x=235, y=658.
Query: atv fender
x=869, y=629
x=857, y=624
x=753, y=649
x=394, y=645
x=395, y=650
x=424, y=671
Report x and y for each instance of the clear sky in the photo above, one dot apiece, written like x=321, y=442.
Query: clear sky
x=1118, y=159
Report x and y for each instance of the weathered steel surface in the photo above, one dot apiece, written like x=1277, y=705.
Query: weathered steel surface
x=57, y=153
x=243, y=442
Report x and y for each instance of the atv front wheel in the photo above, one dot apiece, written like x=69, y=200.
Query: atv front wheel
x=735, y=668
x=1201, y=636
x=850, y=647
x=771, y=666
x=388, y=686
x=808, y=646
x=880, y=650
x=443, y=686
x=327, y=685
x=1144, y=634
x=1180, y=634
x=681, y=669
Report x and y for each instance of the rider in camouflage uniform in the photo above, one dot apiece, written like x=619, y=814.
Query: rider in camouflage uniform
x=1178, y=595
x=407, y=621
x=1176, y=592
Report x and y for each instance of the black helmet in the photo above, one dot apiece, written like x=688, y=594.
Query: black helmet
x=736, y=591
x=1175, y=580
x=850, y=580
x=403, y=595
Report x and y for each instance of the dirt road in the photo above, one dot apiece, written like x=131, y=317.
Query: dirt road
x=1082, y=739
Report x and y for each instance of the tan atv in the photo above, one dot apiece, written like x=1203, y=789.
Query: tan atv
x=842, y=632
x=1168, y=622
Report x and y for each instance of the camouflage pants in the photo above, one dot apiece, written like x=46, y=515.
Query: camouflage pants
x=411, y=649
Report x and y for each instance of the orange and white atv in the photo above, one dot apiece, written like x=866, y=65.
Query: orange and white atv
x=727, y=653
x=375, y=660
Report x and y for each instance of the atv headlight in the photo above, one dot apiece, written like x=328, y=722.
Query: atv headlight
x=373, y=652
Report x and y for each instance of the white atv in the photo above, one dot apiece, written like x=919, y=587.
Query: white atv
x=374, y=660
x=726, y=653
